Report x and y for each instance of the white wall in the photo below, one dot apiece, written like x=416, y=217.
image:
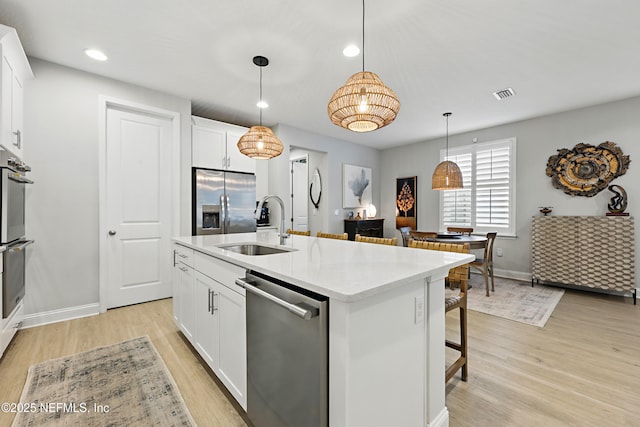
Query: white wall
x=537, y=140
x=61, y=145
x=338, y=152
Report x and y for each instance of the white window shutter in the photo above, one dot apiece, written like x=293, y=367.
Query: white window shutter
x=487, y=201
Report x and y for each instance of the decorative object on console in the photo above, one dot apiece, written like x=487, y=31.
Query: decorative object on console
x=407, y=202
x=315, y=193
x=618, y=201
x=586, y=170
x=356, y=186
x=260, y=142
x=364, y=103
x=447, y=175
x=371, y=211
x=545, y=210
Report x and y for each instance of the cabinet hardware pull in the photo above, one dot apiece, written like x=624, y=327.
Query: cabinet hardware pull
x=213, y=302
x=18, y=135
x=185, y=269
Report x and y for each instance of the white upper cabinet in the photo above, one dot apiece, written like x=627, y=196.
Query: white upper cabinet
x=15, y=71
x=214, y=146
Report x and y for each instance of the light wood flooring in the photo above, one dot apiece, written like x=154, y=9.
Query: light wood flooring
x=581, y=369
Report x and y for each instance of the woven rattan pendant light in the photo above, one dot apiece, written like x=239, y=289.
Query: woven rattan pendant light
x=364, y=103
x=447, y=175
x=260, y=142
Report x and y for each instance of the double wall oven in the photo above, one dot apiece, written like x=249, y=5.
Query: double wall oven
x=13, y=239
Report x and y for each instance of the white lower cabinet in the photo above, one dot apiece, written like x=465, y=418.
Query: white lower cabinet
x=183, y=290
x=218, y=309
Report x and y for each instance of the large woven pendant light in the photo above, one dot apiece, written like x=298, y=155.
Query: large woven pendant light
x=260, y=142
x=364, y=103
x=447, y=175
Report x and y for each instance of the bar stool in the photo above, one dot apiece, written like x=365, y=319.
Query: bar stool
x=460, y=276
x=391, y=241
x=342, y=236
x=299, y=233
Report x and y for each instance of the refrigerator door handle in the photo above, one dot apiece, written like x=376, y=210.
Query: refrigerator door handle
x=223, y=214
x=228, y=214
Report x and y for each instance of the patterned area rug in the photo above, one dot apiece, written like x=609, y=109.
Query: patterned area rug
x=125, y=384
x=514, y=300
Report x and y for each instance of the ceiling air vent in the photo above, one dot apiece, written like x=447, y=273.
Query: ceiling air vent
x=504, y=93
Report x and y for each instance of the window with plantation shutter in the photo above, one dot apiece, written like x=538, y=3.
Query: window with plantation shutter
x=487, y=201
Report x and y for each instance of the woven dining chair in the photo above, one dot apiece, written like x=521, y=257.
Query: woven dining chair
x=299, y=233
x=457, y=276
x=422, y=235
x=461, y=230
x=342, y=236
x=391, y=241
x=485, y=264
x=404, y=233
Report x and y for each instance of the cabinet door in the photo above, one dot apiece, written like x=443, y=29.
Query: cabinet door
x=186, y=300
x=554, y=249
x=208, y=147
x=12, y=106
x=176, y=292
x=207, y=323
x=17, y=96
x=236, y=160
x=6, y=101
x=232, y=368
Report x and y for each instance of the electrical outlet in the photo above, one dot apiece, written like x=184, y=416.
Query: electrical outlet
x=419, y=310
x=499, y=251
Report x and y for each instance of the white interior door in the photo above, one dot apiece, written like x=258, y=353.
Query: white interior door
x=138, y=207
x=299, y=195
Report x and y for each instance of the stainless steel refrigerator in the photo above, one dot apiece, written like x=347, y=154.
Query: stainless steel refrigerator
x=223, y=202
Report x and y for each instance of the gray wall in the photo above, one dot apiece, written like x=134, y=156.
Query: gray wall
x=537, y=140
x=338, y=152
x=61, y=144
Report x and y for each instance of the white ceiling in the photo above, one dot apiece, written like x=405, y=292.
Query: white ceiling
x=436, y=55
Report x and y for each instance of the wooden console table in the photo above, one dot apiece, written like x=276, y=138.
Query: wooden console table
x=591, y=252
x=372, y=227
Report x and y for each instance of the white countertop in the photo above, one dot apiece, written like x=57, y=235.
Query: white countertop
x=343, y=270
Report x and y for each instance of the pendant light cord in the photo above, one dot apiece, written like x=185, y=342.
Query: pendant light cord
x=363, y=36
x=447, y=137
x=446, y=115
x=260, y=99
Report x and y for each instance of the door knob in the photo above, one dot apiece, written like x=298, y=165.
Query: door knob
x=112, y=232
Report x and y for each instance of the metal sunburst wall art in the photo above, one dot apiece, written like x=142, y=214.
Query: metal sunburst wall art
x=586, y=169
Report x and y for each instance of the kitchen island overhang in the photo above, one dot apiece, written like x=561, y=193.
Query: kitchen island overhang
x=386, y=320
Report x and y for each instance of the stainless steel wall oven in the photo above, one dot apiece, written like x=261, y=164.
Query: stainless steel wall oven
x=13, y=231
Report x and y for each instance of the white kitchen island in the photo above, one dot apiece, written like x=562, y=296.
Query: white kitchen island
x=386, y=320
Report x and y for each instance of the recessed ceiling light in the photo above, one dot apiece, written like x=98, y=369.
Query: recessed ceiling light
x=262, y=104
x=351, y=51
x=95, y=54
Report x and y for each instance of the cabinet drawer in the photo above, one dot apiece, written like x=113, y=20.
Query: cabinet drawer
x=182, y=254
x=220, y=271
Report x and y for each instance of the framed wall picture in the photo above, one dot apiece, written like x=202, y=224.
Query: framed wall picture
x=407, y=202
x=356, y=186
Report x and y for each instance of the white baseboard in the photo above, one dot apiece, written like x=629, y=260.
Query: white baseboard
x=44, y=318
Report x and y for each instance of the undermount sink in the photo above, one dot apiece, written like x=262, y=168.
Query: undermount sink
x=253, y=249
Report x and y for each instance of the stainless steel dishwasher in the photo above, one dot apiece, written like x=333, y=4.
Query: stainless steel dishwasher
x=287, y=354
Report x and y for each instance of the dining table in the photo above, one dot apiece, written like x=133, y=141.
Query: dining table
x=475, y=242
